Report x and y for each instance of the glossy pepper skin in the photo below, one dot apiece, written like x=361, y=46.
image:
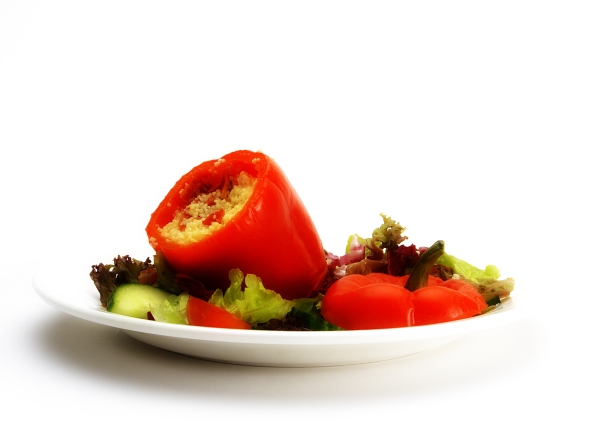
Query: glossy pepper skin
x=359, y=302
x=272, y=237
x=366, y=302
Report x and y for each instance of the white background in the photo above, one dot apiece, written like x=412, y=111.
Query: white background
x=469, y=121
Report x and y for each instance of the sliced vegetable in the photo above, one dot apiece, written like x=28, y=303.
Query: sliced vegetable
x=205, y=314
x=135, y=300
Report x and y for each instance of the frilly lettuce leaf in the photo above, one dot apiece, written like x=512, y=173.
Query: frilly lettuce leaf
x=355, y=243
x=172, y=309
x=254, y=304
x=308, y=311
x=389, y=234
x=386, y=236
x=485, y=280
x=124, y=270
x=467, y=270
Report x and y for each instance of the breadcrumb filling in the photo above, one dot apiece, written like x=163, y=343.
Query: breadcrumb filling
x=209, y=211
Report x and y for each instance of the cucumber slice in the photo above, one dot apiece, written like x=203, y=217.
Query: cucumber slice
x=135, y=300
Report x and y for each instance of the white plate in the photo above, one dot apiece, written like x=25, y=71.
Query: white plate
x=72, y=291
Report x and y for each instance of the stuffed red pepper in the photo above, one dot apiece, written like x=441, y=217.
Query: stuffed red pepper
x=239, y=211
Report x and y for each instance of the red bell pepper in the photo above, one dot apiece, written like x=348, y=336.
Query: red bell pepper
x=437, y=300
x=272, y=236
x=435, y=304
x=365, y=302
x=358, y=302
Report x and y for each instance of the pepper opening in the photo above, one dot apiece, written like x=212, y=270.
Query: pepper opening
x=207, y=211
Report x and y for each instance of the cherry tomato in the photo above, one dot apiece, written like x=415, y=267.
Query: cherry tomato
x=358, y=302
x=205, y=314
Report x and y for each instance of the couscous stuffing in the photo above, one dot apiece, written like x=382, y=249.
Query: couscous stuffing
x=209, y=211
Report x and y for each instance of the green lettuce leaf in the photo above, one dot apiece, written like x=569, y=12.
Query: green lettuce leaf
x=254, y=304
x=467, y=270
x=487, y=281
x=353, y=240
x=389, y=234
x=308, y=310
x=172, y=309
x=386, y=236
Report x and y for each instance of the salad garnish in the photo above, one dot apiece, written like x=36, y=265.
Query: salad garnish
x=417, y=276
x=236, y=248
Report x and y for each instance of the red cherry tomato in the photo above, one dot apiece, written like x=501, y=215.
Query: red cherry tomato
x=205, y=314
x=358, y=302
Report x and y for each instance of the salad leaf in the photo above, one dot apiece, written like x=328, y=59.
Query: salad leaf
x=356, y=249
x=104, y=282
x=172, y=309
x=442, y=271
x=389, y=234
x=402, y=260
x=124, y=270
x=254, y=304
x=485, y=280
x=491, y=288
x=289, y=323
x=193, y=287
x=386, y=236
x=372, y=254
x=467, y=270
x=304, y=316
x=366, y=266
x=166, y=276
x=308, y=311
